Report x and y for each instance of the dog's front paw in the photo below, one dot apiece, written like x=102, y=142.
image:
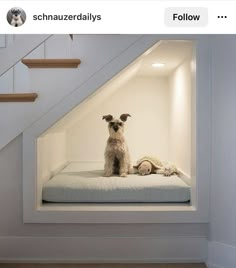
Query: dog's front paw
x=132, y=170
x=107, y=174
x=123, y=174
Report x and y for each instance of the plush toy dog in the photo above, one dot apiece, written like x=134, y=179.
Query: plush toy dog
x=149, y=165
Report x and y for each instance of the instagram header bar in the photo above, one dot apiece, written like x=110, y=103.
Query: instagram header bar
x=117, y=17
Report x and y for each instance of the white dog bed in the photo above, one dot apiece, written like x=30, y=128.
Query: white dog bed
x=83, y=182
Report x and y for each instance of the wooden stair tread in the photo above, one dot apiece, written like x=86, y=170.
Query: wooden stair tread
x=18, y=97
x=51, y=63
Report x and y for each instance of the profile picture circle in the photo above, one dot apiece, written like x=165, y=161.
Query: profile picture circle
x=16, y=17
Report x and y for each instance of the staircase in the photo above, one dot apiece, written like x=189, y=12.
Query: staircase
x=37, y=73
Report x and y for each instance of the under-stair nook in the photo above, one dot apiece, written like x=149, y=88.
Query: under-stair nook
x=68, y=140
x=70, y=155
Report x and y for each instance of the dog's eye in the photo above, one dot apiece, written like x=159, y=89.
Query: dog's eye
x=111, y=124
x=120, y=124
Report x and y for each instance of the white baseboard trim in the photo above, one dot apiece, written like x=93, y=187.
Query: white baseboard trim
x=213, y=266
x=103, y=249
x=221, y=255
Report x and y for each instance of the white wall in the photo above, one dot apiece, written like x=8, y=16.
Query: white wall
x=180, y=117
x=51, y=149
x=2, y=40
x=146, y=100
x=222, y=247
x=223, y=209
x=51, y=158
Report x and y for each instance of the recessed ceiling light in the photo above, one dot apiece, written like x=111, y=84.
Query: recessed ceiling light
x=158, y=65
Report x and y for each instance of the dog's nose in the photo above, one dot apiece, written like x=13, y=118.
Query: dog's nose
x=115, y=128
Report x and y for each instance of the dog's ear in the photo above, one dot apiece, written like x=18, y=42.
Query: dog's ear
x=108, y=117
x=123, y=117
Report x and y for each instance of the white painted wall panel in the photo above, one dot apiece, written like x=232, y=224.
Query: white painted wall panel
x=52, y=154
x=22, y=75
x=2, y=40
x=59, y=47
x=21, y=78
x=180, y=117
x=146, y=99
x=6, y=82
x=10, y=39
x=223, y=182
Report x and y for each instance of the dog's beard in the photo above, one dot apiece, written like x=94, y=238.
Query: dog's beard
x=16, y=20
x=116, y=134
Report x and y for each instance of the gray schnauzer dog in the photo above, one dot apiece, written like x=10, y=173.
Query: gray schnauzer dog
x=16, y=17
x=117, y=158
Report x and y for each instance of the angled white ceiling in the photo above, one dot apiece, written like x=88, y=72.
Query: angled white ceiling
x=170, y=52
